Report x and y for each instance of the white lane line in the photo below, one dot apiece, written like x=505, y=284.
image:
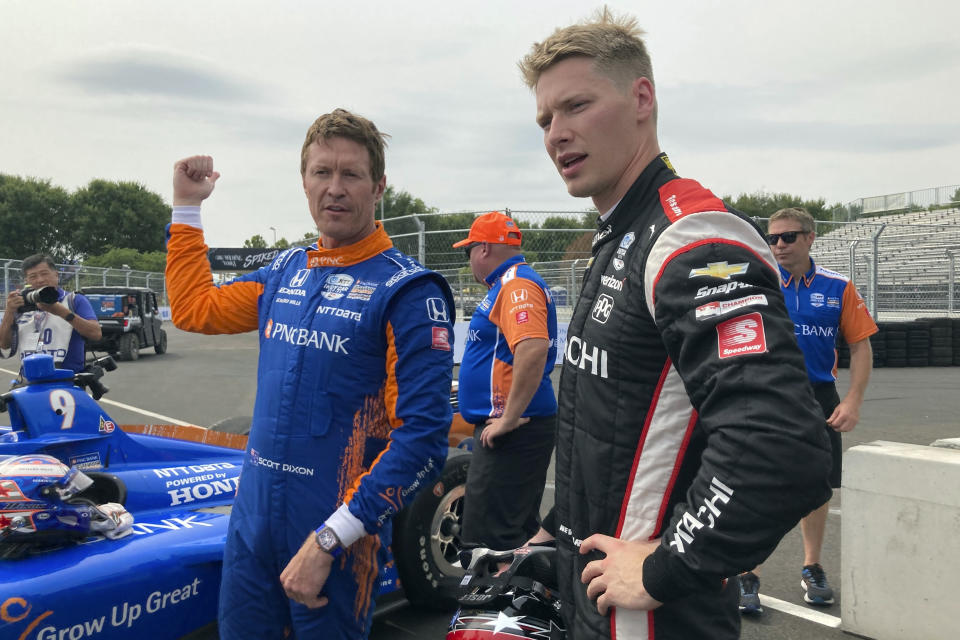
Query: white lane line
x=149, y=414
x=801, y=612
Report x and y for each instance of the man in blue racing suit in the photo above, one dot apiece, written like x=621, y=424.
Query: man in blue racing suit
x=352, y=410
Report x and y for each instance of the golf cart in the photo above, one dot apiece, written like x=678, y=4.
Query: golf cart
x=129, y=319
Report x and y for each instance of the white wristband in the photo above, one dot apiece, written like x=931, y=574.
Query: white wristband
x=187, y=215
x=347, y=526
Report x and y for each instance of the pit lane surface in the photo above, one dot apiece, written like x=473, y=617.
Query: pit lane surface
x=203, y=379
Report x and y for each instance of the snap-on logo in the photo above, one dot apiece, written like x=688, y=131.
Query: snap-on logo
x=741, y=336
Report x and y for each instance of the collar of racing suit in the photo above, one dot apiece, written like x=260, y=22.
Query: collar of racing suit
x=786, y=277
x=375, y=243
x=506, y=264
x=624, y=211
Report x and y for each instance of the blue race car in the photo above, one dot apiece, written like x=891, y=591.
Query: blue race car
x=108, y=533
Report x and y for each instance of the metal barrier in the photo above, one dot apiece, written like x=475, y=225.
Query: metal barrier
x=904, y=265
x=76, y=276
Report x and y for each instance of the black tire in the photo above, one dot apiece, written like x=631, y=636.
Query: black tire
x=129, y=347
x=161, y=346
x=426, y=538
x=235, y=424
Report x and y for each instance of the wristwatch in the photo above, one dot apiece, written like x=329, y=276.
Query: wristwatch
x=328, y=541
x=70, y=316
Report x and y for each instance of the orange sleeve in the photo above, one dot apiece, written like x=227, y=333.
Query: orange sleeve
x=195, y=303
x=855, y=321
x=520, y=311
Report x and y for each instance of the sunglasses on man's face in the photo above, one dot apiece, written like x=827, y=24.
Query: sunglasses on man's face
x=467, y=249
x=789, y=237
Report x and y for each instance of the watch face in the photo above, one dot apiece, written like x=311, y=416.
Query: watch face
x=327, y=539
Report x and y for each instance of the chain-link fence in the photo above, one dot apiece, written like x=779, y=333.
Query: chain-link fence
x=75, y=276
x=904, y=265
x=559, y=252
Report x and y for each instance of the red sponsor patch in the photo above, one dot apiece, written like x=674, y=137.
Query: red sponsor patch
x=523, y=316
x=441, y=338
x=741, y=336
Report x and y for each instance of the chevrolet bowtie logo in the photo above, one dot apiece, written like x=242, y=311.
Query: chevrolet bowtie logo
x=720, y=270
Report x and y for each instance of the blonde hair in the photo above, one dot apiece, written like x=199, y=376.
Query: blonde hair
x=614, y=43
x=340, y=123
x=797, y=214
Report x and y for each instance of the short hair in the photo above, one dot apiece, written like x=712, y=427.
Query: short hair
x=340, y=123
x=797, y=214
x=614, y=43
x=36, y=260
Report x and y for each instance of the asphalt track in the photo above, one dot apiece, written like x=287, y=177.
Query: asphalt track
x=203, y=379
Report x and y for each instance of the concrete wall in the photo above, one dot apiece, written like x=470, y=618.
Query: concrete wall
x=901, y=541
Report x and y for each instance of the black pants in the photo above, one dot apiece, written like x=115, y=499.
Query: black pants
x=501, y=508
x=828, y=398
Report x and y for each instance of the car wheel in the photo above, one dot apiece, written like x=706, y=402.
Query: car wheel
x=161, y=345
x=236, y=424
x=426, y=538
x=129, y=347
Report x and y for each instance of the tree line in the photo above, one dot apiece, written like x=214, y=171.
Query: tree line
x=111, y=224
x=102, y=224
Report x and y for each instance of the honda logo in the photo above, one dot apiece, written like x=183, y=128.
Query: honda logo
x=437, y=310
x=300, y=277
x=518, y=295
x=603, y=308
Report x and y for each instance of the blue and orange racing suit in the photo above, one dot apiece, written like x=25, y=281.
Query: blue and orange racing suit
x=350, y=419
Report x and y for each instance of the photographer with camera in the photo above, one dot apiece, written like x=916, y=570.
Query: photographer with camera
x=43, y=318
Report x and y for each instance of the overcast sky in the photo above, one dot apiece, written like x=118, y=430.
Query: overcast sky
x=839, y=100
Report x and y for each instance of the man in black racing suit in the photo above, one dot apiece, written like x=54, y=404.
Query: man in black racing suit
x=689, y=440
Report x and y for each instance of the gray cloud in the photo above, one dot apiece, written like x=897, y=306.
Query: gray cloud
x=152, y=73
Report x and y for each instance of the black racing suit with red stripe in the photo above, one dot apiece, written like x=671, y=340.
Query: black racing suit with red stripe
x=685, y=412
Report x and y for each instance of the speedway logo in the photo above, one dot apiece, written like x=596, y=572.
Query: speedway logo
x=741, y=336
x=302, y=337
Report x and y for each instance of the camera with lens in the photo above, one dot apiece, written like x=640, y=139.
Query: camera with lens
x=31, y=296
